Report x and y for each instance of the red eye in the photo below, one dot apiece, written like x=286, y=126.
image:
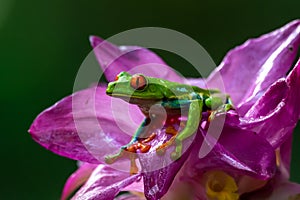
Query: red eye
x=117, y=77
x=138, y=82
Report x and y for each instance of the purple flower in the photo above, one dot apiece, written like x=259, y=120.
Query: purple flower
x=251, y=159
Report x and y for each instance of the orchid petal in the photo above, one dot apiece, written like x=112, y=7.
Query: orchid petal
x=238, y=151
x=182, y=188
x=285, y=153
x=278, y=104
x=158, y=182
x=248, y=70
x=199, y=82
x=136, y=187
x=132, y=59
x=159, y=170
x=246, y=152
x=105, y=183
x=277, y=189
x=85, y=125
x=286, y=190
x=78, y=178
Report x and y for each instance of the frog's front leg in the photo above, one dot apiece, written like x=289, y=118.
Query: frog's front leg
x=194, y=117
x=138, y=142
x=129, y=147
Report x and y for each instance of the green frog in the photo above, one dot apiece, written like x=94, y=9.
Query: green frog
x=164, y=104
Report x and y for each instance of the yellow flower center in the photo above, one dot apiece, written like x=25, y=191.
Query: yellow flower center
x=216, y=185
x=220, y=186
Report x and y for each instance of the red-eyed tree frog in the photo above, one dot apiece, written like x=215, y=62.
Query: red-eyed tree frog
x=164, y=103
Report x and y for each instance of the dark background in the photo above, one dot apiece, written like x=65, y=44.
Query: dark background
x=43, y=43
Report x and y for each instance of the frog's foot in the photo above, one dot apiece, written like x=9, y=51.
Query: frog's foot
x=222, y=109
x=171, y=130
x=150, y=138
x=141, y=145
x=176, y=154
x=162, y=148
x=212, y=115
x=130, y=150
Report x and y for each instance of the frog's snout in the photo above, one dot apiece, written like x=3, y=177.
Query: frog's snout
x=110, y=88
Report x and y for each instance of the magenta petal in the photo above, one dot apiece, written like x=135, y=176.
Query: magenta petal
x=268, y=103
x=133, y=59
x=78, y=178
x=285, y=156
x=159, y=171
x=84, y=126
x=199, y=82
x=279, y=188
x=248, y=70
x=293, y=81
x=238, y=151
x=137, y=186
x=248, y=152
x=104, y=184
x=279, y=104
x=286, y=190
x=157, y=182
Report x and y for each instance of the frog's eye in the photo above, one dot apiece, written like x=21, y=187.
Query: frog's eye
x=138, y=82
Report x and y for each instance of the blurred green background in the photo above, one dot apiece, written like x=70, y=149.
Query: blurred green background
x=43, y=43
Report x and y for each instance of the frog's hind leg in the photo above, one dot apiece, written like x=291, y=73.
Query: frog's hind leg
x=223, y=108
x=194, y=118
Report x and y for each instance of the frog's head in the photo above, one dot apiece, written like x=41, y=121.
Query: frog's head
x=138, y=88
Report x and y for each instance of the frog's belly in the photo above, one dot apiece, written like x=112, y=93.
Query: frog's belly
x=165, y=109
x=181, y=111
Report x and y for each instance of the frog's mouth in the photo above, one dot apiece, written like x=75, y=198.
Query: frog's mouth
x=133, y=99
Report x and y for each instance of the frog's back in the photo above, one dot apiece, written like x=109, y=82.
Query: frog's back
x=177, y=95
x=206, y=92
